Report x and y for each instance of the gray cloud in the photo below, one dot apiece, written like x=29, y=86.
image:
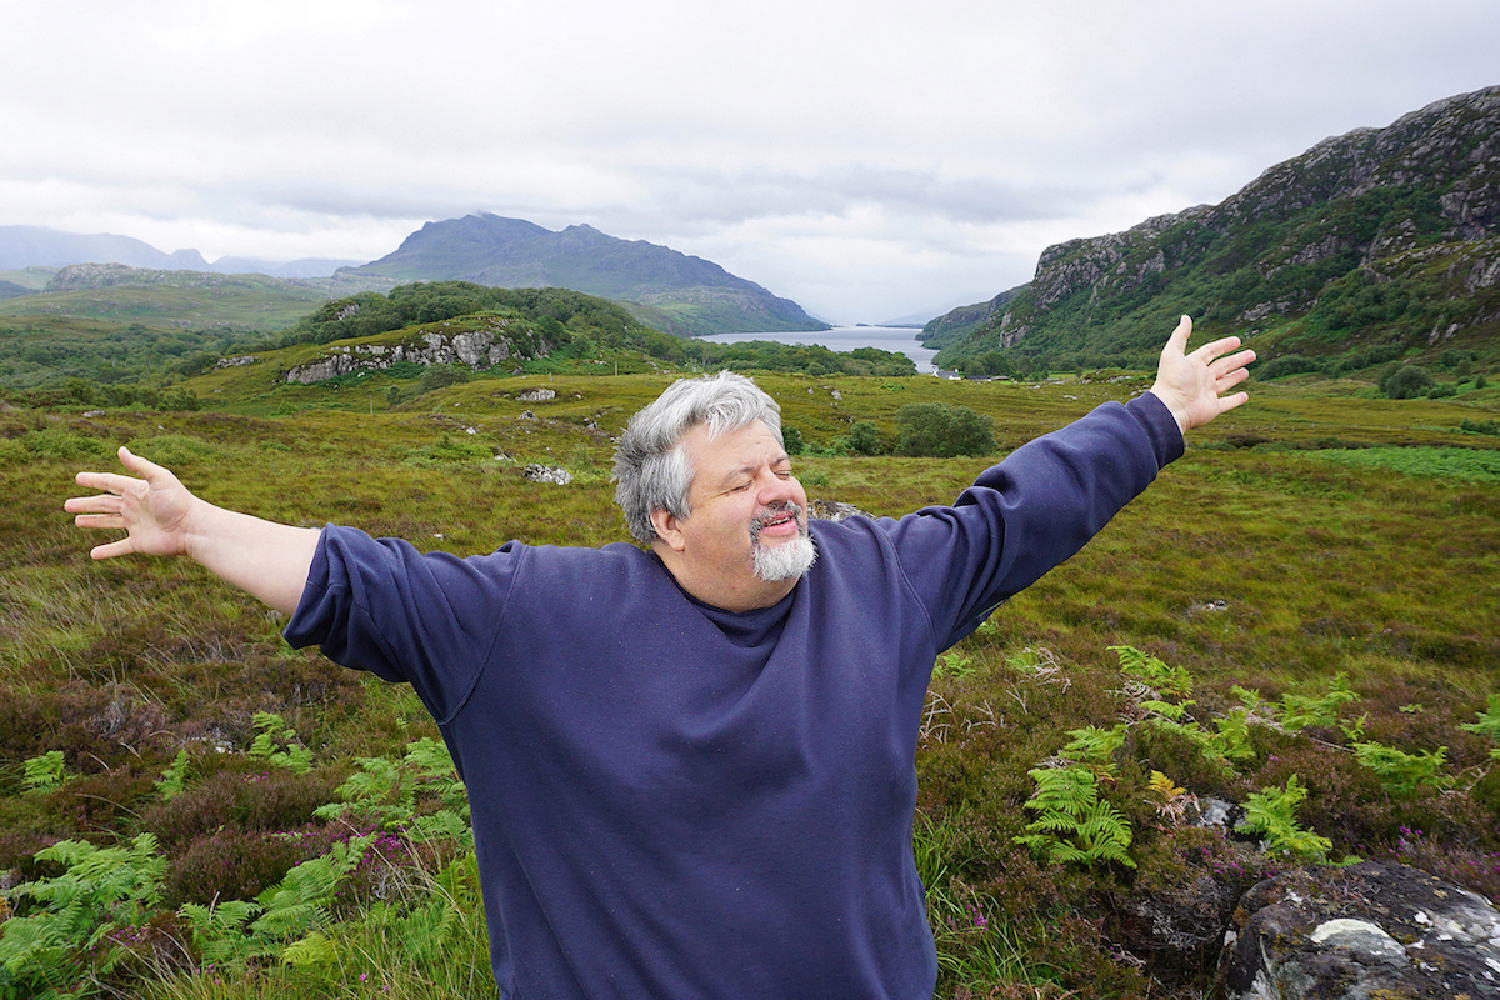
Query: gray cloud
x=867, y=159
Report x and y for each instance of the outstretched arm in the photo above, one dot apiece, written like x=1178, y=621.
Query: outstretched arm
x=267, y=559
x=1190, y=384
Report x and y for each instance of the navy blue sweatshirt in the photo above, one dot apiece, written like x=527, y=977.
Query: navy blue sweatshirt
x=675, y=801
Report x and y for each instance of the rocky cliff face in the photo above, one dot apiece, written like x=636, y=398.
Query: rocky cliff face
x=478, y=349
x=1414, y=206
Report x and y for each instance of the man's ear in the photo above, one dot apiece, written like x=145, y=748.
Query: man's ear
x=668, y=529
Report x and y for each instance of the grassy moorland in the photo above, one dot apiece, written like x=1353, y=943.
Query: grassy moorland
x=190, y=809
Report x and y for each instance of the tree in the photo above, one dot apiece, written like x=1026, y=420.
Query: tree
x=943, y=430
x=864, y=438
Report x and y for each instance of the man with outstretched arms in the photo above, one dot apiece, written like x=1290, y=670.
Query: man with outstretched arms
x=690, y=765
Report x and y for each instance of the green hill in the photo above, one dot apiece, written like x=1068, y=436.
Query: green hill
x=1370, y=246
x=671, y=291
x=183, y=299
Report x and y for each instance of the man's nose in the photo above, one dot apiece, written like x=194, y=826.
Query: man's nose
x=774, y=489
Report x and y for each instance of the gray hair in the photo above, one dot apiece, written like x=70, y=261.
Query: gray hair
x=652, y=470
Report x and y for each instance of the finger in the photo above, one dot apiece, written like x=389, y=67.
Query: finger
x=111, y=481
x=1231, y=363
x=100, y=521
x=1229, y=381
x=1230, y=402
x=108, y=504
x=1214, y=348
x=108, y=551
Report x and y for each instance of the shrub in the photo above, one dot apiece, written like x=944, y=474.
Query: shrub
x=54, y=442
x=239, y=864
x=1406, y=382
x=438, y=376
x=1287, y=364
x=942, y=430
x=448, y=448
x=268, y=799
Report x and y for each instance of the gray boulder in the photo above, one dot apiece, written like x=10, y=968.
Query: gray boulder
x=538, y=473
x=834, y=510
x=1368, y=930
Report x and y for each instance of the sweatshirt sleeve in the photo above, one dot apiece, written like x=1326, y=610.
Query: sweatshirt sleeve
x=382, y=606
x=1032, y=511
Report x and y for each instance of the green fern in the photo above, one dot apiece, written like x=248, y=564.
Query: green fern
x=281, y=919
x=267, y=745
x=1489, y=722
x=1231, y=738
x=1271, y=811
x=1300, y=711
x=1075, y=825
x=43, y=773
x=170, y=782
x=102, y=890
x=1092, y=745
x=1401, y=773
x=1174, y=681
x=386, y=792
x=953, y=665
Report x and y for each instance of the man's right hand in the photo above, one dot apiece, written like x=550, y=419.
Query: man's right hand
x=162, y=518
x=154, y=509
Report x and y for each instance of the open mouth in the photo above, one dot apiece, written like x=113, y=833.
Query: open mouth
x=772, y=518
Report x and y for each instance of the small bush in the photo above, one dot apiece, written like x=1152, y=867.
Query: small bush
x=438, y=376
x=266, y=799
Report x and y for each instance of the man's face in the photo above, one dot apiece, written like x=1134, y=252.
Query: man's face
x=743, y=499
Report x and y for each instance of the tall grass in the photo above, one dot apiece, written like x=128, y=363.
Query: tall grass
x=1248, y=567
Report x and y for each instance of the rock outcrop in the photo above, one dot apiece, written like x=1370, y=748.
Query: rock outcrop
x=1368, y=930
x=478, y=349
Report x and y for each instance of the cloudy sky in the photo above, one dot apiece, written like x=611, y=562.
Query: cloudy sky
x=868, y=159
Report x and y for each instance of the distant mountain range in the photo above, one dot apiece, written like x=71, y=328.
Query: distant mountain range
x=1367, y=245
x=661, y=287
x=38, y=246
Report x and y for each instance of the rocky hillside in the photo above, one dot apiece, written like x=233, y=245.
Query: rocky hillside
x=661, y=287
x=1367, y=245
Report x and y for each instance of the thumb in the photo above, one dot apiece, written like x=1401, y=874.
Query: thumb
x=143, y=467
x=1180, y=335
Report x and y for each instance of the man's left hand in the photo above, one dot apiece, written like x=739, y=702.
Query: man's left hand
x=1190, y=384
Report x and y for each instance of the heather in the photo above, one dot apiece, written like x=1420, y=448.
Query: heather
x=1297, y=618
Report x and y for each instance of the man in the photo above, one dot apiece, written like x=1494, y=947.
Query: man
x=691, y=768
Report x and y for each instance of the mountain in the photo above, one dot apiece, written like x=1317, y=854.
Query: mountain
x=304, y=267
x=661, y=287
x=26, y=246
x=39, y=246
x=1368, y=245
